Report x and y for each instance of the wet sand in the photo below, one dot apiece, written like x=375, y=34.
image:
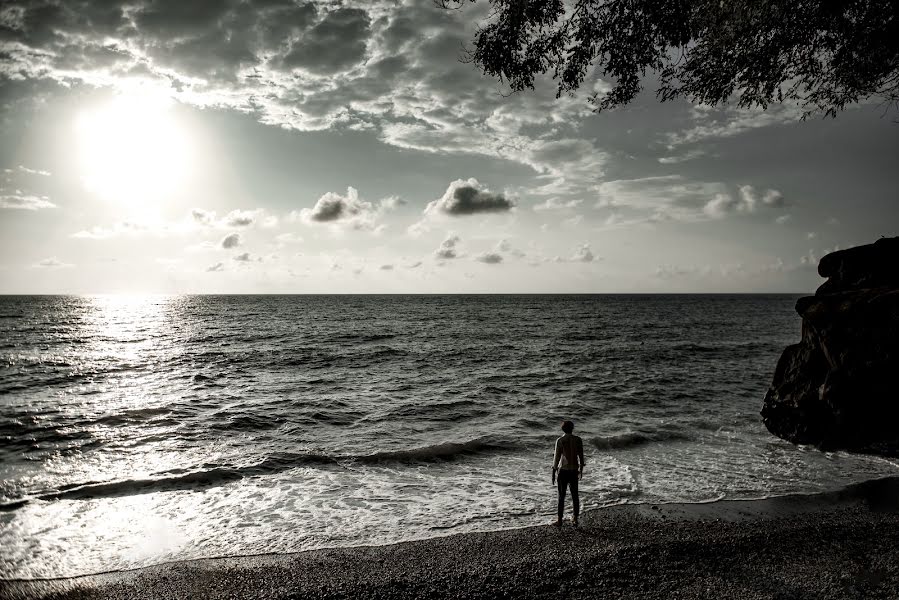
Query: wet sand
x=842, y=544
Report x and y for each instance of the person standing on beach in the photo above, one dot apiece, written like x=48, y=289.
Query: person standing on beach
x=568, y=463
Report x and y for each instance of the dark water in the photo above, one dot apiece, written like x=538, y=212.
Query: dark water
x=141, y=429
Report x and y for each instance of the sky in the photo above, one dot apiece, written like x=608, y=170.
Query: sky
x=274, y=146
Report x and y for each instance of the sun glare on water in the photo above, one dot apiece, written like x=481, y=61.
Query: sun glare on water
x=132, y=150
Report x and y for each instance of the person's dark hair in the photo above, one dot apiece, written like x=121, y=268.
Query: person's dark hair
x=567, y=426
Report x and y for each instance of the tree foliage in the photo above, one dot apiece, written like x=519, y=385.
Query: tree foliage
x=821, y=54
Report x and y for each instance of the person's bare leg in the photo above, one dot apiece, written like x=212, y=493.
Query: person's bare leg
x=575, y=499
x=561, y=508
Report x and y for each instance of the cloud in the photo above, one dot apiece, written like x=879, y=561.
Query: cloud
x=679, y=158
x=240, y=218
x=809, y=260
x=447, y=249
x=336, y=43
x=392, y=68
x=347, y=211
x=386, y=267
x=235, y=218
x=746, y=201
x=23, y=202
x=490, y=258
x=782, y=219
x=53, y=263
x=673, y=197
x=39, y=172
x=661, y=197
x=468, y=197
x=216, y=268
x=232, y=240
x=14, y=182
x=727, y=121
x=720, y=206
x=414, y=265
x=750, y=200
x=556, y=203
x=675, y=271
x=582, y=254
x=122, y=228
x=204, y=217
x=243, y=257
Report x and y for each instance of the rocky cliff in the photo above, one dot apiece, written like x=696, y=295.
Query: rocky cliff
x=838, y=388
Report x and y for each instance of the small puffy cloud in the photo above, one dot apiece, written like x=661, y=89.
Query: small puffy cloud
x=347, y=211
x=468, y=197
x=333, y=207
x=244, y=257
x=391, y=203
x=782, y=219
x=240, y=218
x=489, y=258
x=24, y=202
x=773, y=198
x=720, y=206
x=386, y=267
x=582, y=253
x=556, y=203
x=750, y=200
x=809, y=260
x=414, y=265
x=217, y=267
x=811, y=235
x=447, y=247
x=52, y=263
x=204, y=217
x=505, y=245
x=232, y=240
x=235, y=218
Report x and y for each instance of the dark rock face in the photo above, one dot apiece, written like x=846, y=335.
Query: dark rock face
x=839, y=387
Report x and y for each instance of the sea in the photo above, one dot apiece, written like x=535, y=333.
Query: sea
x=136, y=430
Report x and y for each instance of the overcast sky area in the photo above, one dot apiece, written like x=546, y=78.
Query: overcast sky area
x=338, y=147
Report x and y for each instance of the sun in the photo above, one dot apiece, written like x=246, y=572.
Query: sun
x=132, y=150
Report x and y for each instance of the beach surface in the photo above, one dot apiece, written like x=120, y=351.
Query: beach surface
x=842, y=544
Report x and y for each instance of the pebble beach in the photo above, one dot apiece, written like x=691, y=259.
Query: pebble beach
x=841, y=544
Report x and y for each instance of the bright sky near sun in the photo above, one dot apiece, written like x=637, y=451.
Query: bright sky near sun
x=343, y=147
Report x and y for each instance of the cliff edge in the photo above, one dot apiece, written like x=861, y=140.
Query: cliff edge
x=838, y=388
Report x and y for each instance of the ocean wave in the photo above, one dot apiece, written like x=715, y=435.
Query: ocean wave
x=452, y=411
x=448, y=450
x=272, y=464
x=362, y=337
x=631, y=439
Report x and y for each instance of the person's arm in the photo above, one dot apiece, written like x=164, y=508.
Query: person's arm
x=556, y=457
x=580, y=456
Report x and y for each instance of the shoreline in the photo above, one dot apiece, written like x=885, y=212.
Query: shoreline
x=839, y=544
